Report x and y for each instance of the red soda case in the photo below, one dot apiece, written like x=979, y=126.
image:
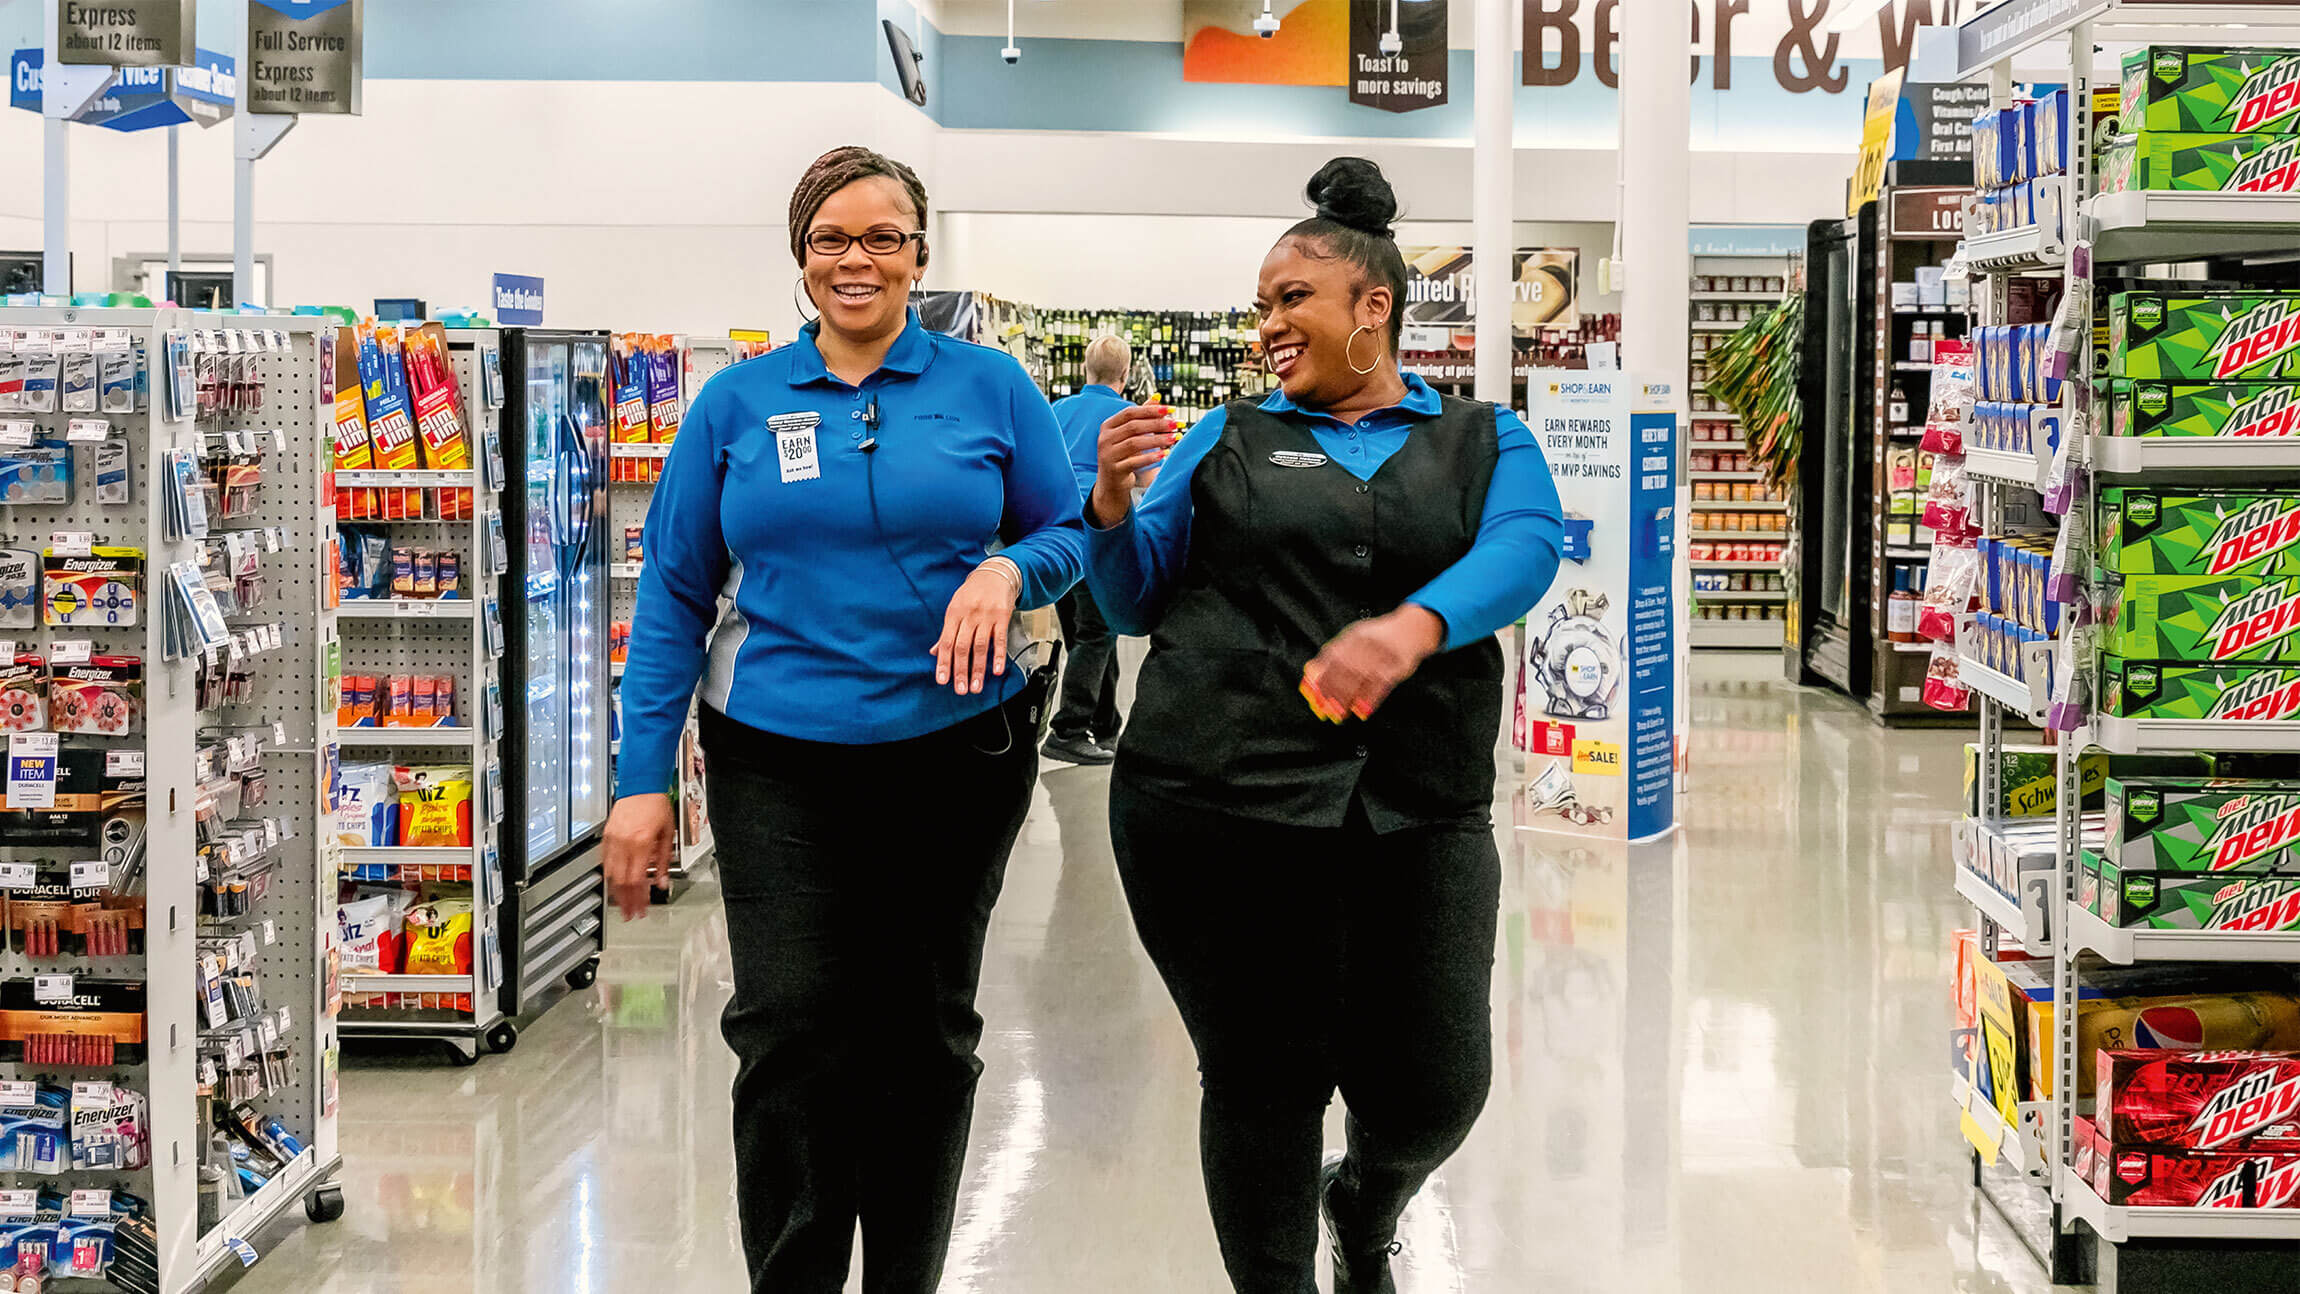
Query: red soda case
x=2154, y=1177
x=2216, y=1101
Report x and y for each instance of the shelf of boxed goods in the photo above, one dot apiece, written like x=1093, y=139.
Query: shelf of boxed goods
x=2157, y=225
x=2121, y=1223
x=2126, y=946
x=2014, y=694
x=1994, y=904
x=2136, y=455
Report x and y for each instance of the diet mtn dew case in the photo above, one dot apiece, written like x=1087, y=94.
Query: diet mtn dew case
x=2238, y=410
x=2177, y=824
x=2201, y=163
x=2159, y=531
x=2219, y=336
x=2149, y=689
x=2143, y=900
x=2203, y=618
x=2209, y=88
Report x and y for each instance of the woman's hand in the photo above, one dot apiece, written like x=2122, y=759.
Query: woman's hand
x=1358, y=669
x=974, y=629
x=1135, y=437
x=641, y=831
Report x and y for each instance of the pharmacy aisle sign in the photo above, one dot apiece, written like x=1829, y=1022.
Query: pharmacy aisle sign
x=304, y=56
x=124, y=33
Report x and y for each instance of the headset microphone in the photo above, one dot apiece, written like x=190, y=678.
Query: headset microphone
x=870, y=426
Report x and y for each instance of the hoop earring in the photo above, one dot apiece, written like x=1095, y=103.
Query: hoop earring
x=798, y=285
x=1361, y=372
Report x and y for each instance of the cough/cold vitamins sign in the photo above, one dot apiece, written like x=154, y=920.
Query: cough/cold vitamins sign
x=124, y=33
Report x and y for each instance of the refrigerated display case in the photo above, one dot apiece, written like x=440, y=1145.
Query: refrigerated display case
x=557, y=765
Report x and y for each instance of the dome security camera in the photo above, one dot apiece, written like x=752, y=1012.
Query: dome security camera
x=1266, y=26
x=1392, y=43
x=1012, y=53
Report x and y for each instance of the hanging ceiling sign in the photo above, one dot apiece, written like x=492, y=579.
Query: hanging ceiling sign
x=1403, y=74
x=124, y=33
x=138, y=98
x=304, y=56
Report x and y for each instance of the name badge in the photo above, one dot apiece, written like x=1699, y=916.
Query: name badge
x=795, y=451
x=1294, y=458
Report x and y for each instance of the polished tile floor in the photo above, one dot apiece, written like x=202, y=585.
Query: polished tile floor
x=1720, y=1067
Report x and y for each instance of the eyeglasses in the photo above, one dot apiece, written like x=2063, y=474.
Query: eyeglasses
x=878, y=242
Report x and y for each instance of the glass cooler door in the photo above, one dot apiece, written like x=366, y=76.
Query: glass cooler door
x=546, y=517
x=583, y=576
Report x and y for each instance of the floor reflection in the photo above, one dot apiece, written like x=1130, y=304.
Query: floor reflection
x=1718, y=1068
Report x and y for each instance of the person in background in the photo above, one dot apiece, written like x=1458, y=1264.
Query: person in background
x=1086, y=726
x=842, y=494
x=1302, y=809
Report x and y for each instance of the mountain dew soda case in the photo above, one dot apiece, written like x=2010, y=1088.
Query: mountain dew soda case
x=2203, y=618
x=2149, y=689
x=2233, y=409
x=2214, y=335
x=2210, y=88
x=2241, y=903
x=2198, y=532
x=2188, y=824
x=2201, y=163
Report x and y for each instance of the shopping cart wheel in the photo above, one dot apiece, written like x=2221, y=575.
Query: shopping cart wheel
x=503, y=1037
x=584, y=975
x=324, y=1204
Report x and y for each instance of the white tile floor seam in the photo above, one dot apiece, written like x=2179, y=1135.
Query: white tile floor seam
x=1718, y=1067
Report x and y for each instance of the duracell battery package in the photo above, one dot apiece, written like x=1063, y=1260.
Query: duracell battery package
x=100, y=1023
x=86, y=798
x=52, y=918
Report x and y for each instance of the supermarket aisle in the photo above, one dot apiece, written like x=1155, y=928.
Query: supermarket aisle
x=1719, y=1069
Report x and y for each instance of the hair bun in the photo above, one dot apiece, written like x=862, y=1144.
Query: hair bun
x=1353, y=192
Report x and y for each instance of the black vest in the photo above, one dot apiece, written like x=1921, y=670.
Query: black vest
x=1281, y=558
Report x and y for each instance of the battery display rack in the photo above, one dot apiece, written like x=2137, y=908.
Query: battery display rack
x=2123, y=565
x=168, y=1045
x=641, y=442
x=414, y=681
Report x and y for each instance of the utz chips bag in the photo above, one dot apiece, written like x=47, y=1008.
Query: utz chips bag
x=434, y=805
x=439, y=938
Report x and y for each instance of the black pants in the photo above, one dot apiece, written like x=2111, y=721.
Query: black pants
x=1090, y=672
x=859, y=882
x=1305, y=959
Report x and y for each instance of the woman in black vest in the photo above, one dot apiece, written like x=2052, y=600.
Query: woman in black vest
x=1302, y=804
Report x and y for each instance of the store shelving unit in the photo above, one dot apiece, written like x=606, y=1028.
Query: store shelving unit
x=456, y=637
x=179, y=792
x=627, y=503
x=1712, y=312
x=2153, y=1247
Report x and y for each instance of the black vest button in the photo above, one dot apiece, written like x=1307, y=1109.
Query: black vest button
x=1363, y=488
x=1362, y=550
x=1361, y=752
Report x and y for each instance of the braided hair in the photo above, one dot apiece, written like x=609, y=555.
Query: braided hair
x=837, y=169
x=1355, y=206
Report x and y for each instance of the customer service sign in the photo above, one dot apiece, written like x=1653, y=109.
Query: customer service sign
x=1596, y=706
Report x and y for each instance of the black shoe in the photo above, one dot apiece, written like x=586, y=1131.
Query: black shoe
x=1075, y=750
x=1357, y=1269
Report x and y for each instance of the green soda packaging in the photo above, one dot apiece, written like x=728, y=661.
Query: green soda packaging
x=2149, y=689
x=2209, y=88
x=2147, y=900
x=2165, y=161
x=2187, y=531
x=2174, y=824
x=2218, y=335
x=2238, y=410
x=2206, y=618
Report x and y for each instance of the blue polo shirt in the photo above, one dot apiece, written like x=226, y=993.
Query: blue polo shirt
x=1082, y=416
x=830, y=617
x=1134, y=566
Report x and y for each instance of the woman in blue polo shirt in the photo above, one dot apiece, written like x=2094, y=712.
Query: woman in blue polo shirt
x=869, y=736
x=1302, y=803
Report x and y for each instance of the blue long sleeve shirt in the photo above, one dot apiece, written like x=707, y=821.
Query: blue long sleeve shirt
x=1134, y=567
x=837, y=565
x=1082, y=416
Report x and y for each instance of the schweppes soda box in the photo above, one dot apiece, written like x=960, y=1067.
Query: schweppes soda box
x=2237, y=693
x=2210, y=88
x=2205, y=618
x=2219, y=335
x=2183, y=162
x=2173, y=531
x=2241, y=903
x=2239, y=410
x=2189, y=824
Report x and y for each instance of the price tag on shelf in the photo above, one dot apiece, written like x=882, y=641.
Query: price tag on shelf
x=242, y=1250
x=72, y=651
x=72, y=543
x=234, y=1051
x=271, y=539
x=19, y=876
x=92, y=1094
x=269, y=1031
x=207, y=1071
x=15, y=1094
x=88, y=429
x=419, y=608
x=271, y=936
x=279, y=733
x=235, y=752
x=91, y=874
x=16, y=433
x=287, y=1022
x=91, y=1204
x=51, y=988
x=7, y=650
x=232, y=649
x=20, y=1204
x=237, y=848
x=200, y=869
x=31, y=770
x=123, y=763
x=271, y=841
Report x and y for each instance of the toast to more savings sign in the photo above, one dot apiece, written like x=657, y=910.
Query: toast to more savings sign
x=1402, y=68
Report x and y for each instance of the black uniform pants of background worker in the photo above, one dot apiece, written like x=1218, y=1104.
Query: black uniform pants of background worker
x=1305, y=959
x=857, y=941
x=1090, y=676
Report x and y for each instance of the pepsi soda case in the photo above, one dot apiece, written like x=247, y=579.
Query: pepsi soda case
x=2262, y=1021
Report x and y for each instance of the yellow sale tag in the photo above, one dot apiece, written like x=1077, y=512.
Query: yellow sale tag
x=1979, y=1136
x=1593, y=756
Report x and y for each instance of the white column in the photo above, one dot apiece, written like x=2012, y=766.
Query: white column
x=55, y=168
x=175, y=205
x=1494, y=171
x=1656, y=116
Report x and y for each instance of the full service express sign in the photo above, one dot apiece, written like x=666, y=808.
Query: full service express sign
x=1413, y=76
x=304, y=56
x=124, y=33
